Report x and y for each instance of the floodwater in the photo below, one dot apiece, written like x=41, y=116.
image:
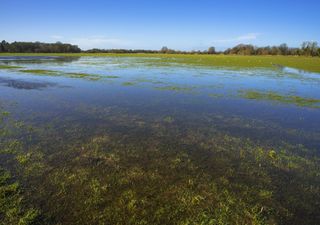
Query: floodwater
x=133, y=140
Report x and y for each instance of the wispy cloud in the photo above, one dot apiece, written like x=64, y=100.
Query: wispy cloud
x=56, y=37
x=99, y=42
x=245, y=37
x=250, y=36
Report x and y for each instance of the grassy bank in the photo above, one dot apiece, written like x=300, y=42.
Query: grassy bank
x=311, y=64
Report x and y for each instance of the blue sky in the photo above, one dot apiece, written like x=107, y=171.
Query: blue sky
x=151, y=24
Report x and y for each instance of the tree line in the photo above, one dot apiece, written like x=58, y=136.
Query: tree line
x=38, y=47
x=308, y=48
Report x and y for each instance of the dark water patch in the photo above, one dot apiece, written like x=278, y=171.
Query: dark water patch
x=16, y=58
x=27, y=85
x=38, y=59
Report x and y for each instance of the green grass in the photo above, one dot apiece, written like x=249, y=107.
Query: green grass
x=311, y=64
x=276, y=97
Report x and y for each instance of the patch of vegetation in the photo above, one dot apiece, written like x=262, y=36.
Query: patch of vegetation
x=215, y=95
x=60, y=73
x=157, y=172
x=10, y=67
x=148, y=80
x=12, y=204
x=84, y=75
x=175, y=88
x=111, y=76
x=129, y=83
x=168, y=119
x=41, y=72
x=276, y=97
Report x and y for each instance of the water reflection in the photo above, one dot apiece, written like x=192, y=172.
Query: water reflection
x=21, y=84
x=7, y=60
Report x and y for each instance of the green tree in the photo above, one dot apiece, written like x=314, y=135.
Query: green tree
x=211, y=50
x=309, y=48
x=4, y=46
x=164, y=49
x=284, y=49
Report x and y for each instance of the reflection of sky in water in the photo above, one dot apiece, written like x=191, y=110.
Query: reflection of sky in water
x=157, y=89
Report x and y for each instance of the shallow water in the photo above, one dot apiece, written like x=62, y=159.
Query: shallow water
x=142, y=122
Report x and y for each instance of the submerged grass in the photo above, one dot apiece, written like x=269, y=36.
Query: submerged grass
x=213, y=95
x=311, y=64
x=115, y=172
x=61, y=73
x=139, y=81
x=129, y=83
x=175, y=88
x=276, y=97
x=41, y=72
x=112, y=165
x=83, y=75
x=10, y=67
x=111, y=76
x=12, y=208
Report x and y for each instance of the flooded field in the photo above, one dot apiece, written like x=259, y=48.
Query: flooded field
x=138, y=140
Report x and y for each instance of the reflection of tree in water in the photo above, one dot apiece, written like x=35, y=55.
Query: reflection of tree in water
x=37, y=59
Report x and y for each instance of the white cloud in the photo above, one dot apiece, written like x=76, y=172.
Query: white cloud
x=99, y=42
x=245, y=37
